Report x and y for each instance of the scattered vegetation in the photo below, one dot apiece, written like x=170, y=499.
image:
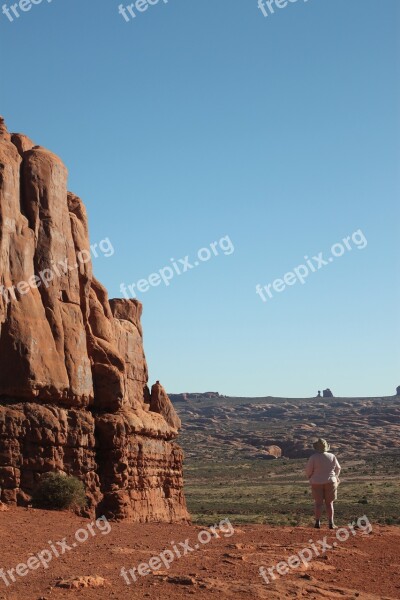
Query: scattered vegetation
x=59, y=492
x=277, y=493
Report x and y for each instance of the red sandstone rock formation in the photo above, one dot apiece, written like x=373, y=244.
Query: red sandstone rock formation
x=160, y=403
x=73, y=375
x=274, y=451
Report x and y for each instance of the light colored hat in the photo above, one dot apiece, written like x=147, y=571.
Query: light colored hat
x=321, y=445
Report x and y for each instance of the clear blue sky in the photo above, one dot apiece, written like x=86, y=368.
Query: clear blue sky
x=201, y=119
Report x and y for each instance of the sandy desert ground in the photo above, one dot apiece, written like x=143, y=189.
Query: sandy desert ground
x=366, y=566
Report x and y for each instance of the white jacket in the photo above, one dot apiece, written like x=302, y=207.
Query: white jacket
x=322, y=468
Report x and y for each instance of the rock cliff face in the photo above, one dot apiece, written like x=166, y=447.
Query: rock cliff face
x=73, y=375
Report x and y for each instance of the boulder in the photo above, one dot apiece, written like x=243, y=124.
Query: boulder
x=274, y=451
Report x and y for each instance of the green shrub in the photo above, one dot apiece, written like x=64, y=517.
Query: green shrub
x=59, y=492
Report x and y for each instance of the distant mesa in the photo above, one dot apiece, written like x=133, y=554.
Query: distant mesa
x=398, y=390
x=327, y=393
x=194, y=395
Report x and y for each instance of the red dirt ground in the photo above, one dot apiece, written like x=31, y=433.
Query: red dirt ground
x=365, y=567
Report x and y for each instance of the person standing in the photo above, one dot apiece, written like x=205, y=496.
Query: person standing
x=323, y=470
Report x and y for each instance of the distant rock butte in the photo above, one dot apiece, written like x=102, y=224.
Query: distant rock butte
x=73, y=378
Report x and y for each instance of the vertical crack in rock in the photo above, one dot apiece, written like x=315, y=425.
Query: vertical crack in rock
x=73, y=376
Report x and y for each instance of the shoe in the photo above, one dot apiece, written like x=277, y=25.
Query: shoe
x=317, y=525
x=332, y=526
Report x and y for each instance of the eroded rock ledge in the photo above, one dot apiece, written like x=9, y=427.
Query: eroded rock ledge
x=73, y=374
